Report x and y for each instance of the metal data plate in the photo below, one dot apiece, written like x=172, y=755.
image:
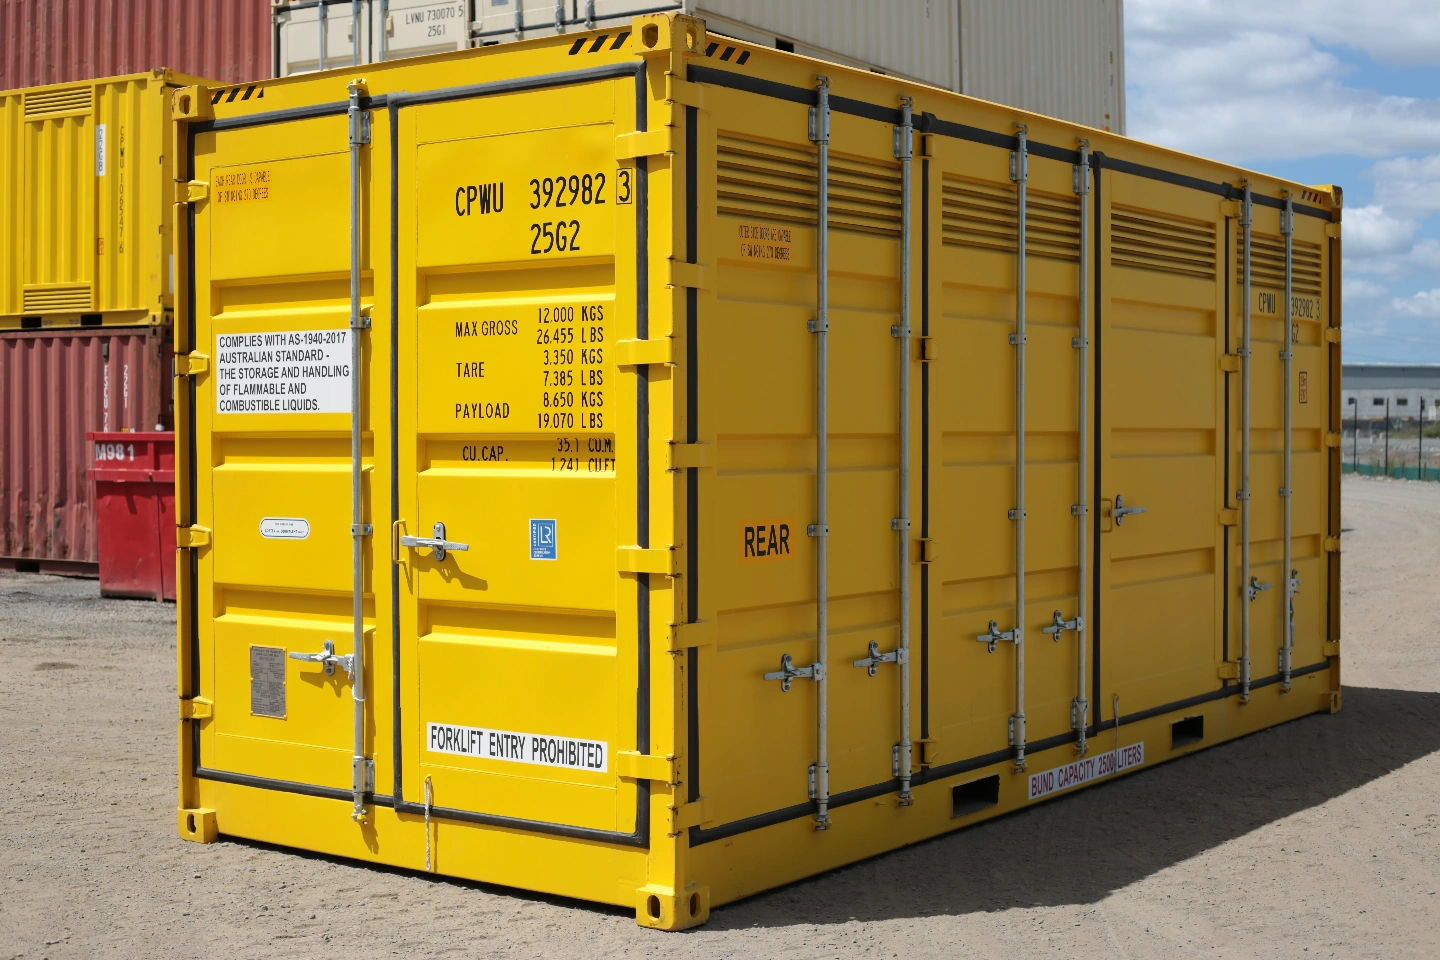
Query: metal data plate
x=267, y=681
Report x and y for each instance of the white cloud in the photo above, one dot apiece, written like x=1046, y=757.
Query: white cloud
x=1408, y=183
x=1364, y=290
x=1207, y=76
x=1426, y=304
x=1370, y=232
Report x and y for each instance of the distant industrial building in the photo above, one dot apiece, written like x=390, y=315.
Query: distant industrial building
x=1409, y=388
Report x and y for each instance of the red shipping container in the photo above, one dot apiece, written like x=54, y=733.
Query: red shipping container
x=56, y=386
x=48, y=42
x=134, y=475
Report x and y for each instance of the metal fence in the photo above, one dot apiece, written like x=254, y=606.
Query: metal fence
x=1404, y=447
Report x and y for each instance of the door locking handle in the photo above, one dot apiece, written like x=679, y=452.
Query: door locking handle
x=1120, y=512
x=1256, y=588
x=438, y=544
x=328, y=657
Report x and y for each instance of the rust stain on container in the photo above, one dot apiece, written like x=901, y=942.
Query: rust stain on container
x=55, y=385
x=228, y=40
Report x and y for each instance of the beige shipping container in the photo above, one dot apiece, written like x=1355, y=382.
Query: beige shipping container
x=1062, y=58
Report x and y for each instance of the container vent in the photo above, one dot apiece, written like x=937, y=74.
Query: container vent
x=777, y=183
x=1267, y=264
x=68, y=100
x=1147, y=240
x=982, y=215
x=58, y=298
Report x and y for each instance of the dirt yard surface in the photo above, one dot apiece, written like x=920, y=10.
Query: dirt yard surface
x=1317, y=839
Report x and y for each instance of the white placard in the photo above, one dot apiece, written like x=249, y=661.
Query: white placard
x=288, y=371
x=536, y=748
x=100, y=148
x=1083, y=771
x=284, y=528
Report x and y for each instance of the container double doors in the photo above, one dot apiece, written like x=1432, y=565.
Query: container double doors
x=498, y=458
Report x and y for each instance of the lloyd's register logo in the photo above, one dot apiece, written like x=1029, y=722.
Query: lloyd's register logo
x=542, y=540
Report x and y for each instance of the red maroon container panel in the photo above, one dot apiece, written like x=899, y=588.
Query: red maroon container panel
x=134, y=476
x=49, y=42
x=56, y=386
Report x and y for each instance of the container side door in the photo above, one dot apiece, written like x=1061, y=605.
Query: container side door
x=1162, y=443
x=66, y=153
x=973, y=408
x=272, y=306
x=518, y=440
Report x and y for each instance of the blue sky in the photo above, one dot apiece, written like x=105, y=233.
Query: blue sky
x=1320, y=91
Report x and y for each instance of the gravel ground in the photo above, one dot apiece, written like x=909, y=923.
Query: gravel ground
x=1319, y=838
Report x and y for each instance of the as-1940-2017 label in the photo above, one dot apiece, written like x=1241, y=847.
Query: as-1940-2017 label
x=286, y=371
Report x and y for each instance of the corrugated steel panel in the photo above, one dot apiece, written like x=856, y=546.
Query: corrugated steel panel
x=55, y=385
x=909, y=38
x=1062, y=58
x=47, y=42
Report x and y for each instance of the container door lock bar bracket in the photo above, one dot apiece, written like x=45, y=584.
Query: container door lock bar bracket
x=788, y=673
x=328, y=657
x=875, y=658
x=995, y=636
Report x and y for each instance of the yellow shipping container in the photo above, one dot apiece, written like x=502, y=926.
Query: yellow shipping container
x=671, y=551
x=87, y=175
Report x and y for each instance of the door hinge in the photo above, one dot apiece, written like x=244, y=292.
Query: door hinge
x=190, y=364
x=925, y=752
x=639, y=766
x=926, y=549
x=1332, y=334
x=701, y=633
x=1229, y=671
x=683, y=91
x=191, y=537
x=1332, y=439
x=634, y=353
x=1229, y=518
x=647, y=560
x=683, y=456
x=682, y=274
x=191, y=103
x=1230, y=362
x=1331, y=648
x=645, y=143
x=1332, y=229
x=197, y=708
x=687, y=815
x=192, y=191
x=928, y=349
x=1332, y=544
x=1230, y=208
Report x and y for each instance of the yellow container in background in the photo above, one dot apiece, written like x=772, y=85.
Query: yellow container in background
x=86, y=195
x=561, y=506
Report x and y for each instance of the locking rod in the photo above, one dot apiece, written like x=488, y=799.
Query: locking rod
x=1019, y=172
x=1246, y=221
x=820, y=133
x=1081, y=511
x=1287, y=353
x=358, y=137
x=902, y=525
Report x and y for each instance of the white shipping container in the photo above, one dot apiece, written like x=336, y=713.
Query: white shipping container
x=1063, y=58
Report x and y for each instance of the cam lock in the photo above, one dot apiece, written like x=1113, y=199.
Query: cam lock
x=328, y=657
x=1121, y=511
x=1061, y=625
x=788, y=673
x=875, y=658
x=1256, y=588
x=995, y=636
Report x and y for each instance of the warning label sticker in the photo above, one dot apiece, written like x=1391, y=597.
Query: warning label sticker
x=536, y=748
x=293, y=371
x=1083, y=771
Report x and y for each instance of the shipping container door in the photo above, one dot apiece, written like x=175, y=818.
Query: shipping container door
x=1161, y=440
x=65, y=154
x=518, y=450
x=273, y=467
x=974, y=412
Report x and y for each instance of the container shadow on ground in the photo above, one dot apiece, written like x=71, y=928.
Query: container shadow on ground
x=1081, y=847
x=1078, y=849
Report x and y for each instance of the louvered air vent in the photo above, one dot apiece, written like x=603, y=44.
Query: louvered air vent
x=777, y=183
x=982, y=215
x=57, y=298
x=1267, y=264
x=1146, y=240
x=68, y=100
